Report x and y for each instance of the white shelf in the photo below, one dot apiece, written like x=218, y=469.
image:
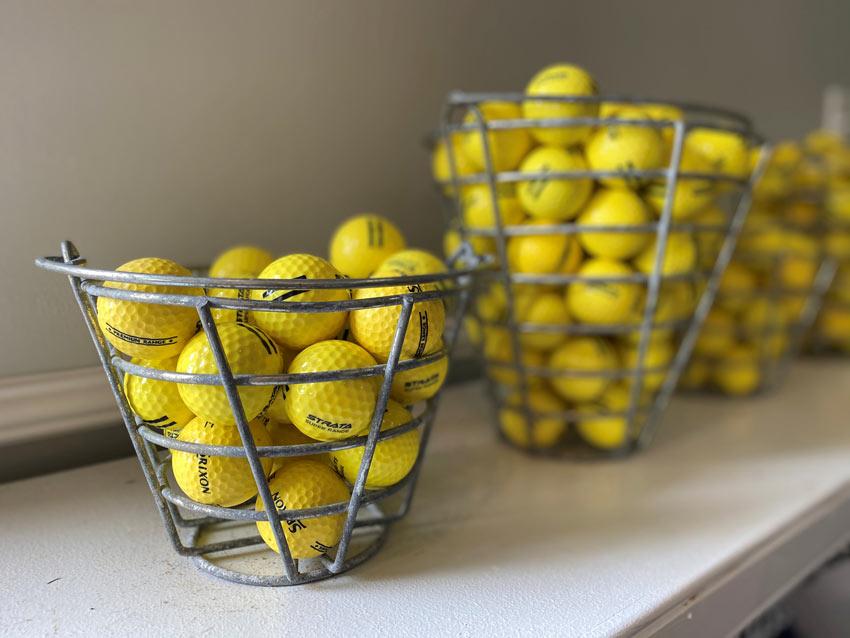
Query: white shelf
x=736, y=501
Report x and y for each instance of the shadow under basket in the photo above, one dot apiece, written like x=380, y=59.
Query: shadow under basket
x=592, y=379
x=224, y=541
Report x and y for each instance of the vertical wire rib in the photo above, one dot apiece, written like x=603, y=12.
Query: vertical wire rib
x=510, y=305
x=654, y=283
x=814, y=301
x=374, y=432
x=248, y=443
x=70, y=254
x=686, y=345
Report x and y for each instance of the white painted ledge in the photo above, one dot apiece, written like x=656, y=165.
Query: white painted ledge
x=35, y=406
x=734, y=503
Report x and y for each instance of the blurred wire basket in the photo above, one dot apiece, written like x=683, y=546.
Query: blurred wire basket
x=224, y=541
x=584, y=334
x=768, y=297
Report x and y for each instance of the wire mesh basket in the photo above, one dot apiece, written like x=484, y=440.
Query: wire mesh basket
x=587, y=376
x=773, y=288
x=828, y=190
x=224, y=541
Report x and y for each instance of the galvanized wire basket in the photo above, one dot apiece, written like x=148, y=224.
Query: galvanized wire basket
x=223, y=541
x=830, y=332
x=767, y=300
x=517, y=375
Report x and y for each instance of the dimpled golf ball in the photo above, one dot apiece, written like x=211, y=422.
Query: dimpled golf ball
x=157, y=403
x=297, y=330
x=241, y=259
x=225, y=315
x=360, y=244
x=288, y=434
x=374, y=328
x=418, y=384
x=332, y=410
x=249, y=351
x=217, y=480
x=561, y=79
x=276, y=408
x=301, y=485
x=393, y=458
x=143, y=330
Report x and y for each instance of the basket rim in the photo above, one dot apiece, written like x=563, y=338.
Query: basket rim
x=459, y=97
x=78, y=268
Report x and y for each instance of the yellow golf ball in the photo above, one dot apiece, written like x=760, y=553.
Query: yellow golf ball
x=553, y=198
x=276, y=408
x=288, y=434
x=441, y=168
x=736, y=287
x=332, y=410
x=479, y=211
x=666, y=112
x=507, y=147
x=547, y=308
x=413, y=261
x=419, y=384
x=148, y=331
x=567, y=80
x=659, y=355
x=374, y=328
x=217, y=480
x=240, y=259
x=249, y=351
x=545, y=429
x=680, y=256
x=603, y=301
x=605, y=432
x=587, y=355
x=725, y=151
x=692, y=194
x=614, y=207
x=717, y=334
x=157, y=403
x=498, y=348
x=301, y=485
x=543, y=254
x=226, y=315
x=737, y=372
x=623, y=148
x=393, y=458
x=361, y=243
x=297, y=330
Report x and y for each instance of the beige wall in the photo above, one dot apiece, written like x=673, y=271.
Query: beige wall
x=177, y=128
